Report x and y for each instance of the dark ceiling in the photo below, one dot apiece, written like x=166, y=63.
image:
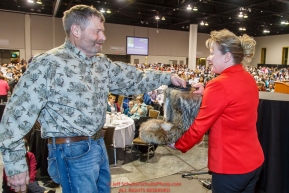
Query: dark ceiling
x=218, y=14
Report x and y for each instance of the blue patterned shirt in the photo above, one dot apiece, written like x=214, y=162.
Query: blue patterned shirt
x=68, y=93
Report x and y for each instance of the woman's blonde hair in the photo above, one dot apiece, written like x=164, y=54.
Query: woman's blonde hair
x=241, y=48
x=111, y=96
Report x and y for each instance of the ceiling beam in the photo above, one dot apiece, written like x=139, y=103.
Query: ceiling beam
x=56, y=7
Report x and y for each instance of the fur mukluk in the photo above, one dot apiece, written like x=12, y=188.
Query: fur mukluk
x=181, y=109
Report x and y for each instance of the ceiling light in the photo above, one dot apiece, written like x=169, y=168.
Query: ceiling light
x=286, y=23
x=39, y=2
x=195, y=9
x=108, y=11
x=157, y=17
x=241, y=14
x=266, y=31
x=202, y=23
x=189, y=7
x=163, y=18
x=183, y=27
x=102, y=10
x=245, y=16
x=242, y=29
x=30, y=1
x=206, y=24
x=282, y=22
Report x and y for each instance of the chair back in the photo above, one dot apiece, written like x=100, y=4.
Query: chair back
x=149, y=107
x=108, y=136
x=154, y=114
x=120, y=102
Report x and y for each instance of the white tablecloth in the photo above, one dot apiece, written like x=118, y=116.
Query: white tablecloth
x=124, y=132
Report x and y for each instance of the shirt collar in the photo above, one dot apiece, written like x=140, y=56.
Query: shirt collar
x=68, y=45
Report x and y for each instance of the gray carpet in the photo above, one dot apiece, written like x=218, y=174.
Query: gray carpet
x=165, y=162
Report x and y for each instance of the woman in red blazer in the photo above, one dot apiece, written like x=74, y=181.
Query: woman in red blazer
x=229, y=110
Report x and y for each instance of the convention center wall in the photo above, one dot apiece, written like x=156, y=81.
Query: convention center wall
x=34, y=34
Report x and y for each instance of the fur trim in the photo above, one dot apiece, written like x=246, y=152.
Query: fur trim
x=180, y=114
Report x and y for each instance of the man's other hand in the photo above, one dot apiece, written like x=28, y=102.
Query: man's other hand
x=177, y=81
x=19, y=182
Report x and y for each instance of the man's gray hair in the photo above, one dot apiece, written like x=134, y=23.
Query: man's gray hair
x=79, y=15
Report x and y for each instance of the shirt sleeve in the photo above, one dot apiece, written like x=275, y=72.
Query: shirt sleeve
x=21, y=112
x=213, y=104
x=127, y=79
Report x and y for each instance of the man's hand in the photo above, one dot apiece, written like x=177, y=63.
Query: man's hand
x=199, y=88
x=19, y=182
x=177, y=81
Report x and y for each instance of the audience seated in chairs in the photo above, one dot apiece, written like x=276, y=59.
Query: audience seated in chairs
x=111, y=105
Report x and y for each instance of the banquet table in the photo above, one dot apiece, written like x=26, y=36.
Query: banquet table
x=124, y=132
x=273, y=133
x=2, y=107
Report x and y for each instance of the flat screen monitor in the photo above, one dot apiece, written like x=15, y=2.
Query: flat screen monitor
x=137, y=46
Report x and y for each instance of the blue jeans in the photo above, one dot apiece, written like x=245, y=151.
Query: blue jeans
x=80, y=166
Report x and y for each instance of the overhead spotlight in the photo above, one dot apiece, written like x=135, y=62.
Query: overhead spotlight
x=266, y=31
x=286, y=23
x=206, y=24
x=245, y=16
x=39, y=2
x=242, y=29
x=108, y=11
x=189, y=7
x=195, y=9
x=163, y=18
x=157, y=17
x=241, y=14
x=102, y=10
x=202, y=23
x=283, y=22
x=30, y=1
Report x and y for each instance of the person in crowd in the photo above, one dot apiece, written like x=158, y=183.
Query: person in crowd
x=67, y=88
x=261, y=86
x=127, y=111
x=154, y=99
x=112, y=106
x=229, y=110
x=139, y=109
x=270, y=88
x=33, y=186
x=4, y=88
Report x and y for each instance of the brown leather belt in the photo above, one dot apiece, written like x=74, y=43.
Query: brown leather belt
x=61, y=140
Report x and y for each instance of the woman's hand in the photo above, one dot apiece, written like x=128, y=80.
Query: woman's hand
x=199, y=88
x=172, y=145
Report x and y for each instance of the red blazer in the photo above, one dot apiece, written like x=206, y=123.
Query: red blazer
x=229, y=110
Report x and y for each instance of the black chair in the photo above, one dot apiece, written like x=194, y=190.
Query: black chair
x=109, y=140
